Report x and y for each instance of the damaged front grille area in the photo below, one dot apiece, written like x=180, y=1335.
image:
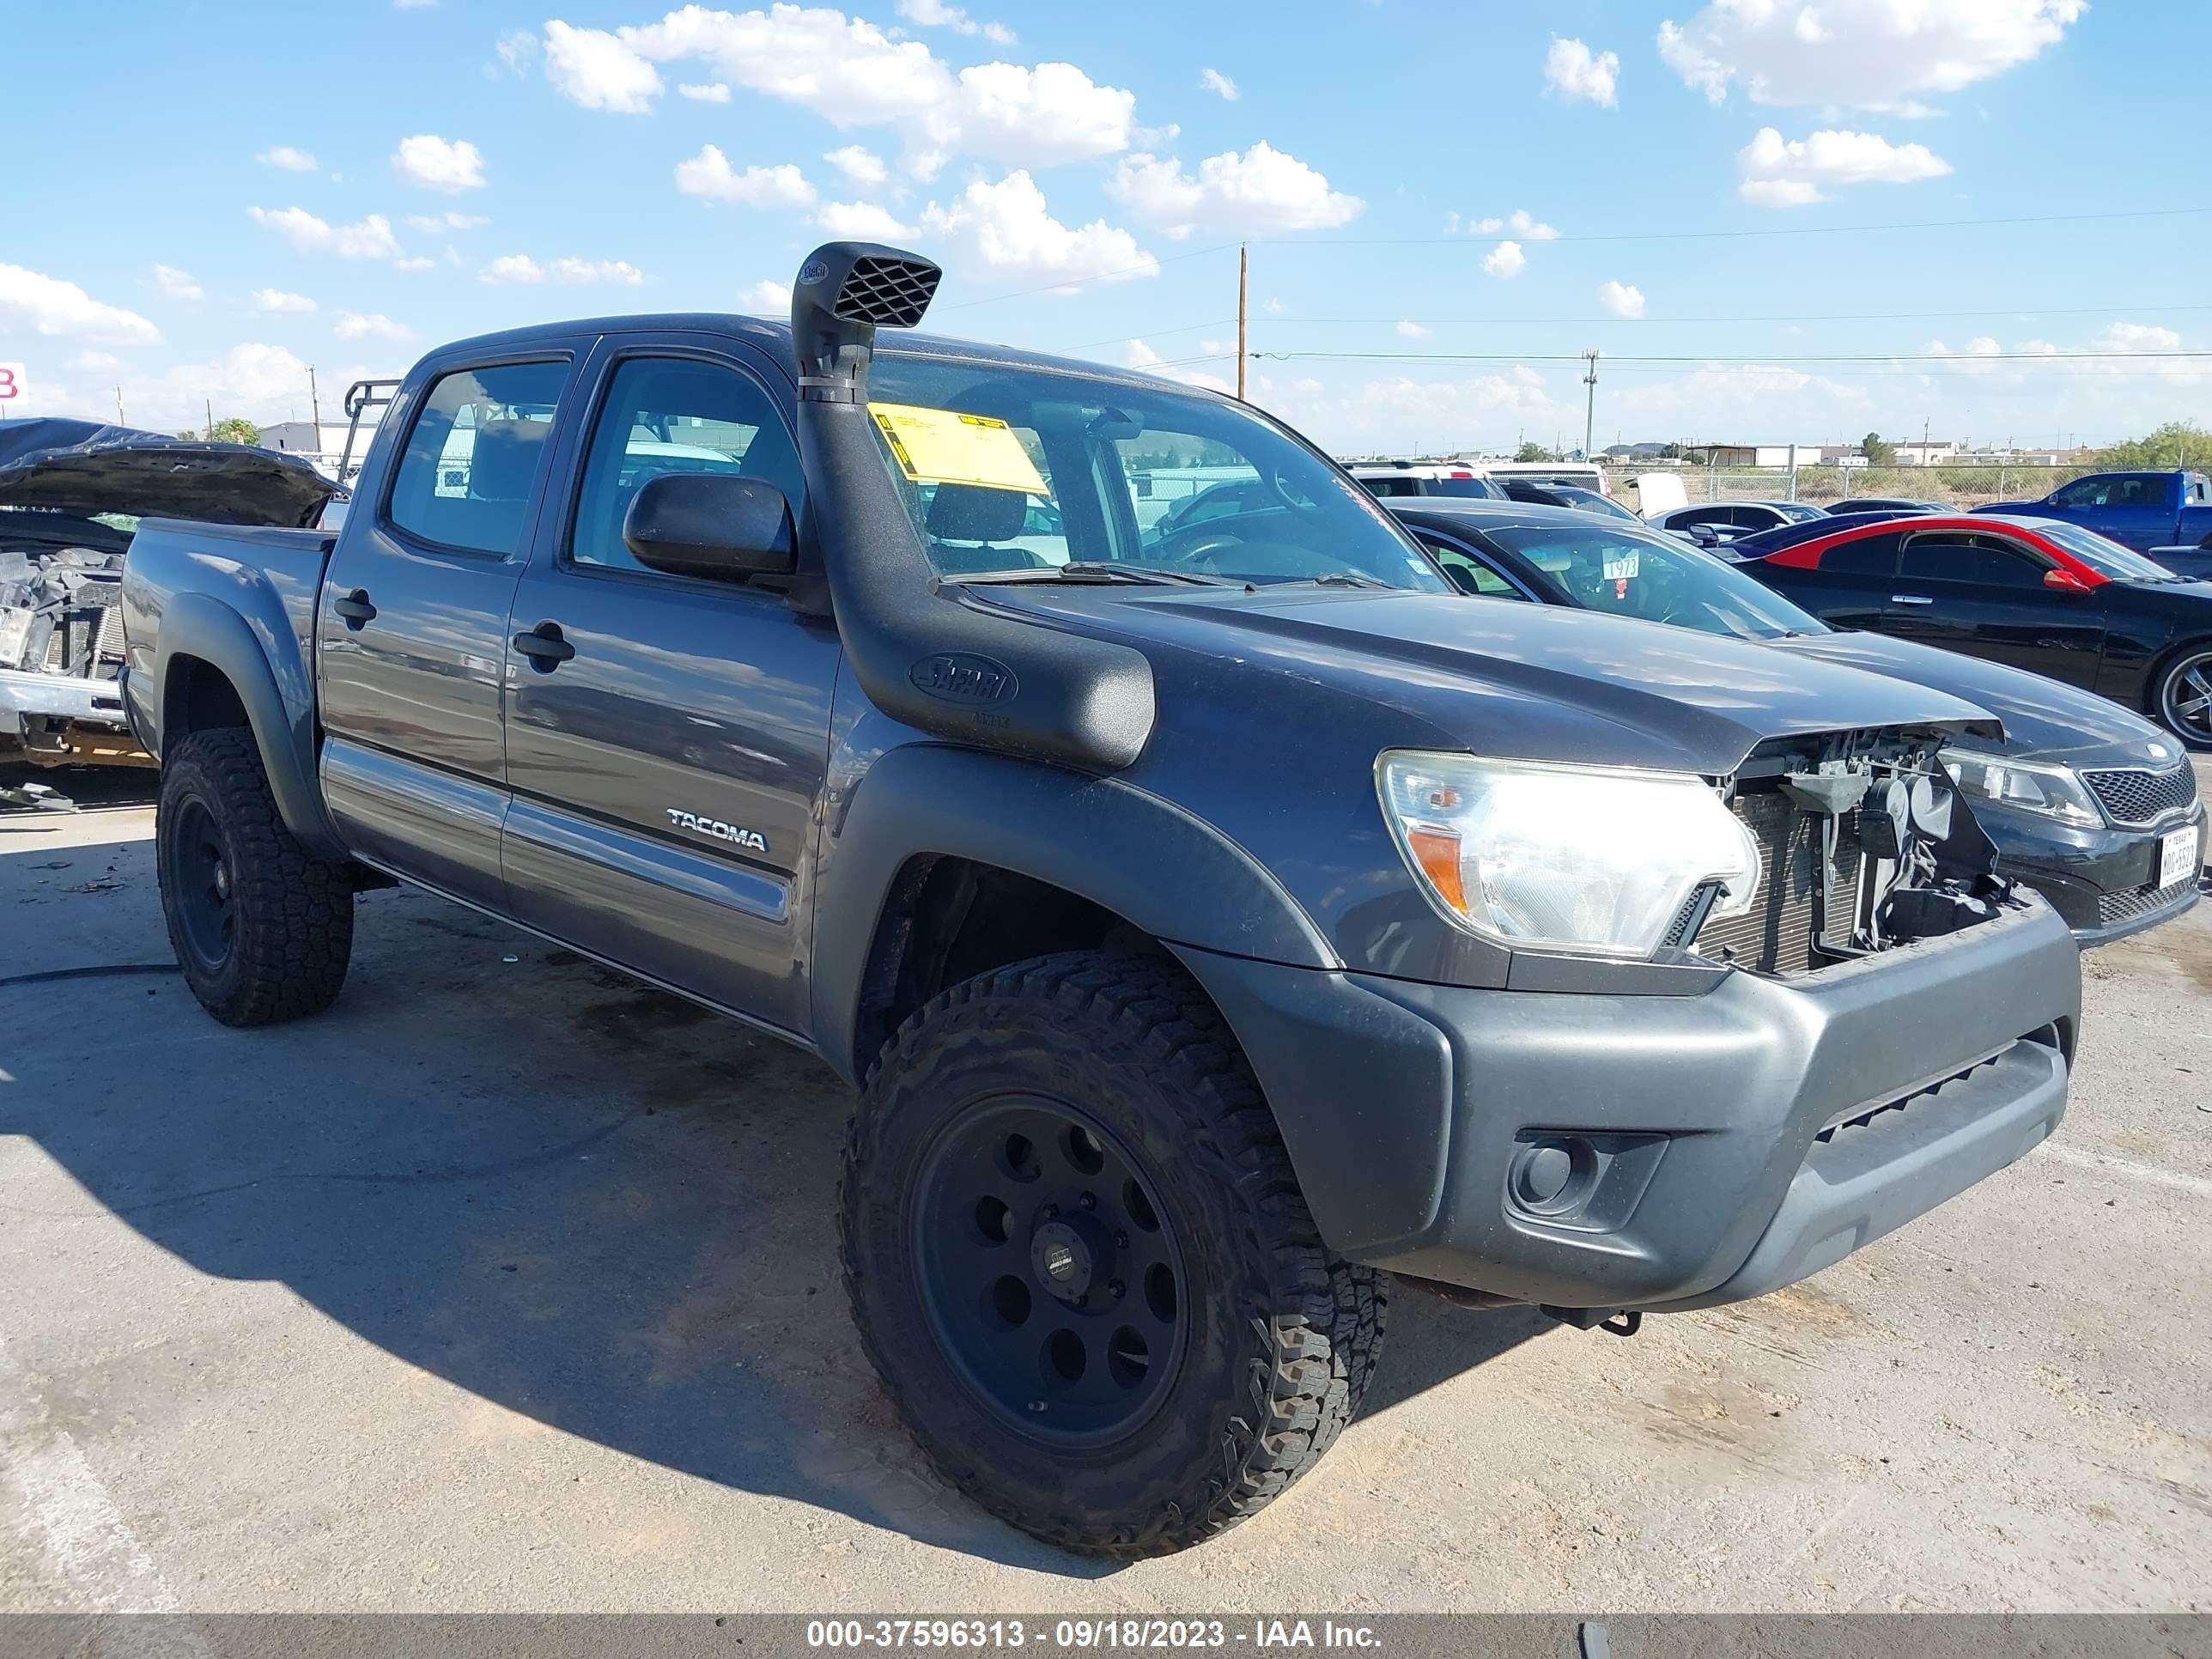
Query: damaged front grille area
x=1777, y=936
x=1864, y=845
x=59, y=612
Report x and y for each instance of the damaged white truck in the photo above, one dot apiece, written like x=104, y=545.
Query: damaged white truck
x=71, y=494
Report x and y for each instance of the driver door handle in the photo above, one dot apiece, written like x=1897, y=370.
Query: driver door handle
x=544, y=646
x=1909, y=598
x=354, y=609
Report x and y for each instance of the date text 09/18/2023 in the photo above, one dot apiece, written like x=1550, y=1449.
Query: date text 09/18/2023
x=1086, y=1635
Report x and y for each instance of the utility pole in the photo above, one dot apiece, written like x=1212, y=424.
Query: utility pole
x=1590, y=410
x=1243, y=270
x=315, y=407
x=119, y=421
x=210, y=420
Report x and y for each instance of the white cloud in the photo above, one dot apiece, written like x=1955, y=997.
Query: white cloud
x=96, y=362
x=766, y=298
x=521, y=268
x=1521, y=223
x=247, y=379
x=434, y=163
x=516, y=51
x=936, y=14
x=1619, y=299
x=862, y=166
x=355, y=325
x=278, y=303
x=1506, y=260
x=1409, y=330
x=2138, y=337
x=1859, y=54
x=434, y=223
x=598, y=70
x=290, y=160
x=1005, y=229
x=370, y=238
x=853, y=74
x=1214, y=81
x=1573, y=70
x=859, y=221
x=1776, y=172
x=60, y=309
x=714, y=92
x=177, y=284
x=1262, y=192
x=419, y=262
x=709, y=176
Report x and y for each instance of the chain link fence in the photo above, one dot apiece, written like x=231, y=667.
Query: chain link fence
x=1819, y=486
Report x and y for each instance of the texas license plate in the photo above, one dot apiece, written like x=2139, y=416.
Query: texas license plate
x=2177, y=855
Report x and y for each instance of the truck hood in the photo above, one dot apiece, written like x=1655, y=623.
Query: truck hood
x=82, y=468
x=1524, y=681
x=2043, y=718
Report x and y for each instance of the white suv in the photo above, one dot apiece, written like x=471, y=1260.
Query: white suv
x=1392, y=478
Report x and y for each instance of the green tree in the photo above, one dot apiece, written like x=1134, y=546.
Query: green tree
x=1532, y=452
x=235, y=430
x=2178, y=444
x=1878, y=450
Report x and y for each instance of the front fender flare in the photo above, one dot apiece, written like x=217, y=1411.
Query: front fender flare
x=1106, y=840
x=196, y=625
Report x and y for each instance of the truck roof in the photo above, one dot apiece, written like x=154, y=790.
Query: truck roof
x=775, y=338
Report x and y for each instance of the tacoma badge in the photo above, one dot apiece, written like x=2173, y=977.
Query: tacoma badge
x=751, y=840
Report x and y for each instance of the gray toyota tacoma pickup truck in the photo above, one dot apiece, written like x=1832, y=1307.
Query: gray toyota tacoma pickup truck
x=1214, y=921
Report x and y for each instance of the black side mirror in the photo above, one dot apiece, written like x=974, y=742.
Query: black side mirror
x=1461, y=578
x=714, y=525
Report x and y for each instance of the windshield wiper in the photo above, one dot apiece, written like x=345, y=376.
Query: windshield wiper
x=1079, y=571
x=1336, y=578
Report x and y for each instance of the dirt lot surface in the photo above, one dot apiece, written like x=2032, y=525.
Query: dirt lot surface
x=508, y=1284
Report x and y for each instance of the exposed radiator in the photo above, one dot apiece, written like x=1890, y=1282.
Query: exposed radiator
x=1776, y=936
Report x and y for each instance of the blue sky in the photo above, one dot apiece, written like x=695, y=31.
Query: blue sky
x=1442, y=201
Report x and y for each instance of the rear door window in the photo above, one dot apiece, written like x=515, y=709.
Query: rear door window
x=1869, y=556
x=1956, y=556
x=463, y=479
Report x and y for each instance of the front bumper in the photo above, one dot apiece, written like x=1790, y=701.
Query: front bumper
x=1722, y=1144
x=58, y=718
x=2103, y=882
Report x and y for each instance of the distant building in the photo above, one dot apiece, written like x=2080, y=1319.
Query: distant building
x=324, y=446
x=1753, y=455
x=1936, y=452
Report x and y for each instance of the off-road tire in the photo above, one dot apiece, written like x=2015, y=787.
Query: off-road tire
x=292, y=912
x=1282, y=1336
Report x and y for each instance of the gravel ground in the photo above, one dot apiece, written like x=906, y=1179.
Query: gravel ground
x=508, y=1284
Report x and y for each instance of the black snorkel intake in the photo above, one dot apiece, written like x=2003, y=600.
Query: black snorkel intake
x=925, y=652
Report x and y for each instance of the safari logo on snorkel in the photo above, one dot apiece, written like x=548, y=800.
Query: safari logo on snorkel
x=960, y=676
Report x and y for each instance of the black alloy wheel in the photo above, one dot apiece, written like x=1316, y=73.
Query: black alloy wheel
x=1048, y=1275
x=2184, y=699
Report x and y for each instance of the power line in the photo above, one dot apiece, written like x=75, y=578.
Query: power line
x=1477, y=238
x=2139, y=308
x=1738, y=360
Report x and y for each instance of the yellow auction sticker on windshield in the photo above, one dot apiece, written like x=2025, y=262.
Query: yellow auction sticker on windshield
x=941, y=445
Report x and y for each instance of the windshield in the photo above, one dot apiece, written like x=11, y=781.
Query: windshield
x=1590, y=502
x=1051, y=468
x=2104, y=555
x=1628, y=572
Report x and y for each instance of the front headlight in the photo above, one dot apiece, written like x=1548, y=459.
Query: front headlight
x=2050, y=791
x=1568, y=857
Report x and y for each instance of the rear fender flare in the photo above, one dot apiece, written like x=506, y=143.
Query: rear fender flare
x=282, y=716
x=1123, y=849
